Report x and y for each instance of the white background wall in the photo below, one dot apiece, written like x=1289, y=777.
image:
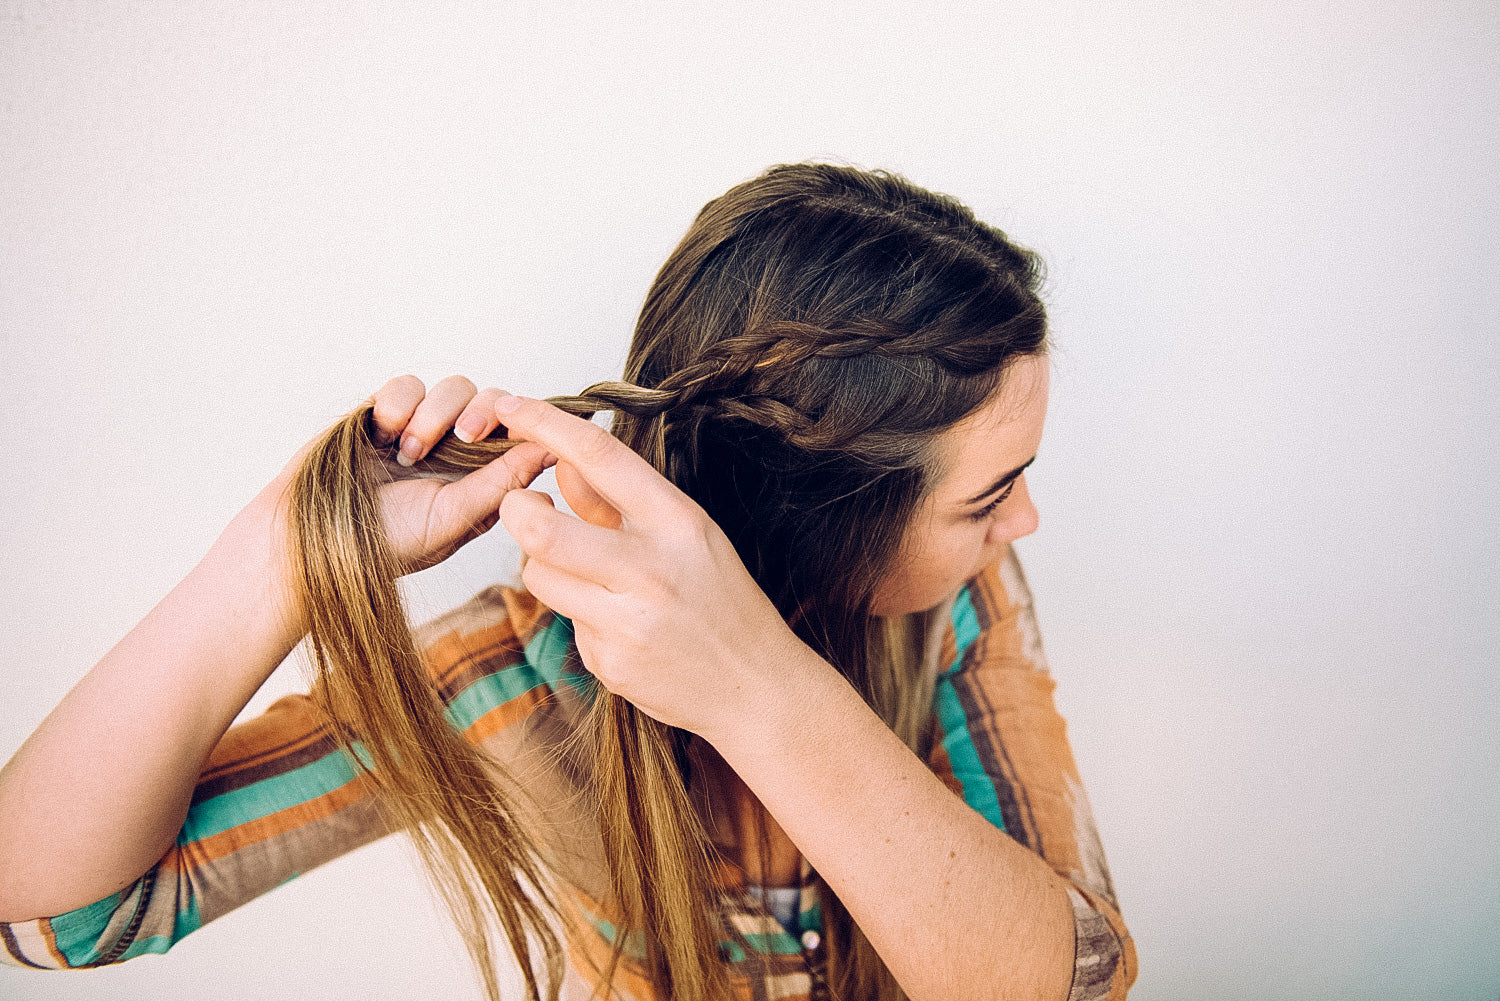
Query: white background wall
x=1266, y=570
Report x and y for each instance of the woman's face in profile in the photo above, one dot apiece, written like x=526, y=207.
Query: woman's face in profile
x=980, y=504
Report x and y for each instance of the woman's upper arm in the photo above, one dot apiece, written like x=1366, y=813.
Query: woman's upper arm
x=1001, y=745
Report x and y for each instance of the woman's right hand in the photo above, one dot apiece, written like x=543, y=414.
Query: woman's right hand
x=427, y=519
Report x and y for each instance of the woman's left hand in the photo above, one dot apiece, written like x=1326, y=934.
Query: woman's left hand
x=664, y=612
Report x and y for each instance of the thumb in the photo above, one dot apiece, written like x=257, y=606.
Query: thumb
x=476, y=496
x=585, y=501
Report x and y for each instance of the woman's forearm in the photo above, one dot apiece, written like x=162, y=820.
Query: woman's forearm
x=97, y=794
x=955, y=907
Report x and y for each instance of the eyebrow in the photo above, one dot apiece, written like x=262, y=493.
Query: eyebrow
x=1001, y=483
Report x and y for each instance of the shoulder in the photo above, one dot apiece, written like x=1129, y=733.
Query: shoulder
x=993, y=619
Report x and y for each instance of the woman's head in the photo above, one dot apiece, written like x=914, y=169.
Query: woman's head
x=821, y=338
x=978, y=502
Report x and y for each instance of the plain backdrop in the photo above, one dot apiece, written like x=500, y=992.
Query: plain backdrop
x=1266, y=567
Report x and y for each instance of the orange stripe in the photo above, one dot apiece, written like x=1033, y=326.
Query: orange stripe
x=942, y=767
x=525, y=613
x=290, y=724
x=50, y=938
x=948, y=649
x=590, y=953
x=1023, y=720
x=503, y=715
x=452, y=652
x=455, y=650
x=199, y=853
x=218, y=768
x=590, y=956
x=727, y=875
x=991, y=592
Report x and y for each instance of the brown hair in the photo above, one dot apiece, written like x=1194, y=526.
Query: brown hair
x=796, y=357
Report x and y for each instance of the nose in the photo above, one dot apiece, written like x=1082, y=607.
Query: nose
x=1018, y=516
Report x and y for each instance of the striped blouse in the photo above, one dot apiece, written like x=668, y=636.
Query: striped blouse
x=278, y=797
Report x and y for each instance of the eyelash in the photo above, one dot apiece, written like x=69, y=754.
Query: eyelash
x=989, y=508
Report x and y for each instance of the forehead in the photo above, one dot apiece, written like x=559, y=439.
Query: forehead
x=1001, y=435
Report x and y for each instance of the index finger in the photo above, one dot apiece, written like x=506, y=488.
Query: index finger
x=615, y=472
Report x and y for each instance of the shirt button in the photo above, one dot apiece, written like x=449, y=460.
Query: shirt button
x=811, y=940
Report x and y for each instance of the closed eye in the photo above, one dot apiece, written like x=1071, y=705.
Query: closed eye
x=989, y=508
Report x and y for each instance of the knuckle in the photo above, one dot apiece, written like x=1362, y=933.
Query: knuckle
x=402, y=393
x=652, y=578
x=695, y=523
x=643, y=620
x=405, y=386
x=541, y=537
x=690, y=525
x=393, y=405
x=536, y=535
x=596, y=444
x=483, y=404
x=510, y=510
x=457, y=383
x=706, y=531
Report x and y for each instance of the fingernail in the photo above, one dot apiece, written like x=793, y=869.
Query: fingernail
x=468, y=433
x=410, y=449
x=507, y=404
x=549, y=461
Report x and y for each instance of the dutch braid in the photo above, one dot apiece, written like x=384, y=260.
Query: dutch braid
x=738, y=377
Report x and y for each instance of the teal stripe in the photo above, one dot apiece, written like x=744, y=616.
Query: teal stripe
x=549, y=651
x=490, y=691
x=771, y=943
x=157, y=944
x=979, y=791
x=263, y=798
x=188, y=921
x=958, y=741
x=965, y=627
x=546, y=656
x=77, y=932
x=635, y=942
x=777, y=943
x=544, y=663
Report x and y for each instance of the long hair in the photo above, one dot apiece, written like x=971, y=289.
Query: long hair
x=795, y=360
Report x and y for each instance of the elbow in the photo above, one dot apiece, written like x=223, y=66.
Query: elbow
x=108, y=931
x=1104, y=960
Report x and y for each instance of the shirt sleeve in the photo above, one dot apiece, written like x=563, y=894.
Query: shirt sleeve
x=276, y=798
x=1000, y=744
x=279, y=796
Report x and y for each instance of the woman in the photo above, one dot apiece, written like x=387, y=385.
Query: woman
x=770, y=718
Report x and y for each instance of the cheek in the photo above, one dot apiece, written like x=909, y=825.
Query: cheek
x=931, y=567
x=968, y=551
